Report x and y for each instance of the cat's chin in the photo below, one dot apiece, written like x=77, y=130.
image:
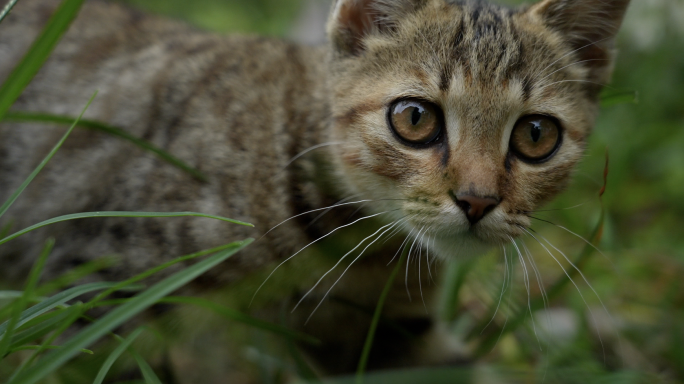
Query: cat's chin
x=462, y=246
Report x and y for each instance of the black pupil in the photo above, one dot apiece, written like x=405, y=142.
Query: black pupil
x=416, y=115
x=535, y=132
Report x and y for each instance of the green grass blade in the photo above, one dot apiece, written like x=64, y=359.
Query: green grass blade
x=42, y=164
x=148, y=374
x=96, y=300
x=28, y=323
x=5, y=230
x=302, y=367
x=613, y=97
x=455, y=278
x=107, y=365
x=39, y=319
x=41, y=329
x=59, y=299
x=10, y=295
x=114, y=131
x=36, y=347
x=19, y=305
x=35, y=57
x=85, y=215
x=74, y=312
x=238, y=316
x=363, y=361
x=75, y=274
x=123, y=313
x=5, y=11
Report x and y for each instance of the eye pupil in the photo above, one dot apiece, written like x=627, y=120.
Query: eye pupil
x=415, y=121
x=535, y=132
x=415, y=116
x=535, y=138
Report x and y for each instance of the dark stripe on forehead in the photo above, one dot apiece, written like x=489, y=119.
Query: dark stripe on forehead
x=475, y=14
x=448, y=68
x=488, y=25
x=491, y=48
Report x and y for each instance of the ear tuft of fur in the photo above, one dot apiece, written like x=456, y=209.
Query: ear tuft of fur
x=589, y=26
x=352, y=20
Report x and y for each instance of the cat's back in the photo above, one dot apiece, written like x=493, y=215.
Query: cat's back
x=112, y=48
x=235, y=108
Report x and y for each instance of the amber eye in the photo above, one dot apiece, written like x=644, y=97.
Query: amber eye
x=416, y=121
x=535, y=138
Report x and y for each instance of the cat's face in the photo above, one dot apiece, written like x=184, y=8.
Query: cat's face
x=462, y=118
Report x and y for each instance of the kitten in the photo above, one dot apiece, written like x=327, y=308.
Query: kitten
x=450, y=121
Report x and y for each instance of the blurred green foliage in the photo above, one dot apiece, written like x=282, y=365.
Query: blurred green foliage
x=270, y=17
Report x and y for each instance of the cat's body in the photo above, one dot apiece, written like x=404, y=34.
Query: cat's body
x=178, y=93
x=239, y=109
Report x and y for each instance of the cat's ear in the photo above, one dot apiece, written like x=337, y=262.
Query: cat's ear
x=352, y=20
x=590, y=27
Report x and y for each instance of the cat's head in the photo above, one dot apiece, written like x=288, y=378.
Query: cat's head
x=461, y=117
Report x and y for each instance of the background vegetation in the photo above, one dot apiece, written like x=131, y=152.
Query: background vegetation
x=639, y=335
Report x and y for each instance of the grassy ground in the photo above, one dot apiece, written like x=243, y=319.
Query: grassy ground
x=635, y=333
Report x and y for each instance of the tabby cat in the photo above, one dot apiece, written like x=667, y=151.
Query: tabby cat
x=448, y=122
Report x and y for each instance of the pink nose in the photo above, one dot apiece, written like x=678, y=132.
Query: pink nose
x=475, y=207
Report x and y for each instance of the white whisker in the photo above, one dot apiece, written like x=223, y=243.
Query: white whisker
x=573, y=81
x=342, y=258
x=503, y=289
x=578, y=271
x=545, y=298
x=580, y=237
x=427, y=258
x=331, y=207
x=540, y=282
x=571, y=52
x=408, y=261
x=357, y=210
x=304, y=152
x=560, y=209
x=394, y=231
x=605, y=309
x=526, y=279
x=313, y=210
x=591, y=313
x=584, y=278
x=400, y=247
x=345, y=270
x=306, y=246
x=576, y=62
x=420, y=283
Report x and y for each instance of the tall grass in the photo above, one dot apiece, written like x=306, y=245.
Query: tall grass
x=38, y=326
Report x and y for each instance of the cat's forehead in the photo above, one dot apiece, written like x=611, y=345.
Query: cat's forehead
x=477, y=59
x=490, y=43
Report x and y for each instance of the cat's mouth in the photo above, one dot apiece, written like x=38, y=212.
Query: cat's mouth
x=455, y=236
x=472, y=241
x=498, y=227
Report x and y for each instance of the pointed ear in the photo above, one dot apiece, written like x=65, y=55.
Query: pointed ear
x=352, y=20
x=589, y=26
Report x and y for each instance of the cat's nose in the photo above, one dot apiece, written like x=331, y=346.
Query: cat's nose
x=475, y=207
